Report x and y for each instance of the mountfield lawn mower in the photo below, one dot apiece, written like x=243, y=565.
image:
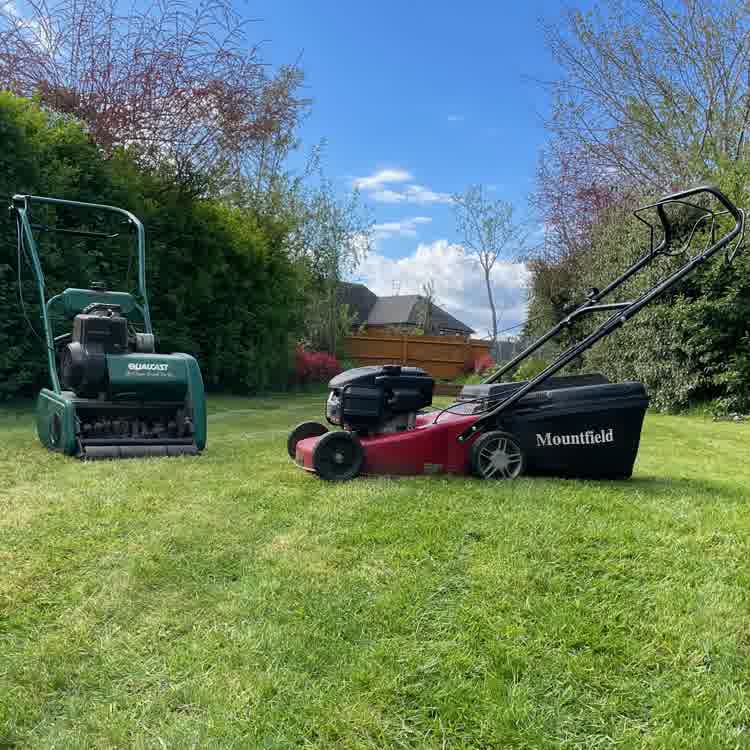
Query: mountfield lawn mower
x=574, y=426
x=112, y=396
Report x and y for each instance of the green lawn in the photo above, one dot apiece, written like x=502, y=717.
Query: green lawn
x=235, y=601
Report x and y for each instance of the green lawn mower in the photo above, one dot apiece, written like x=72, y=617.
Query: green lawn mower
x=111, y=395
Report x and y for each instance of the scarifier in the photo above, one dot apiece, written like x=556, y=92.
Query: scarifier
x=111, y=395
x=569, y=426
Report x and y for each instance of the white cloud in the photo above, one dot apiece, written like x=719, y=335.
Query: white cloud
x=411, y=194
x=403, y=228
x=459, y=285
x=376, y=186
x=10, y=8
x=383, y=177
x=421, y=194
x=388, y=196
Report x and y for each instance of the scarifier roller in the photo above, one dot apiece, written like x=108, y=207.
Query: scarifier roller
x=111, y=394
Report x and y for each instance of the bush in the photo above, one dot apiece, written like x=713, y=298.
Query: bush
x=221, y=284
x=314, y=367
x=483, y=363
x=530, y=368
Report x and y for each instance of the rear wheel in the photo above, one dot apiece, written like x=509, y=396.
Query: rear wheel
x=338, y=456
x=497, y=455
x=302, y=432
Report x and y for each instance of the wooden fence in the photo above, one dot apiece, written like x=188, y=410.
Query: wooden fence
x=444, y=357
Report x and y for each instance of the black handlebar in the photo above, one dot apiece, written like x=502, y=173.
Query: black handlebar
x=623, y=311
x=713, y=190
x=681, y=197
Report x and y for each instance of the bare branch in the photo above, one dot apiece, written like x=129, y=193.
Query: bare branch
x=174, y=83
x=655, y=91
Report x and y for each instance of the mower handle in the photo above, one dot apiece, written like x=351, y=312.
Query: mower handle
x=623, y=311
x=680, y=197
x=22, y=204
x=711, y=189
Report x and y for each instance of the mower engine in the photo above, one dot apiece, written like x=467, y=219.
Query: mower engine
x=378, y=399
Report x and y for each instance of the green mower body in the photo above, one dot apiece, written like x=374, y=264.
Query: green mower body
x=165, y=417
x=111, y=395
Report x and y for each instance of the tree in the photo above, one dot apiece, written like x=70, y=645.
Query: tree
x=488, y=231
x=651, y=96
x=178, y=85
x=331, y=237
x=652, y=93
x=426, y=306
x=571, y=193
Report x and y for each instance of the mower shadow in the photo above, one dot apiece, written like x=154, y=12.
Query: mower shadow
x=654, y=486
x=710, y=490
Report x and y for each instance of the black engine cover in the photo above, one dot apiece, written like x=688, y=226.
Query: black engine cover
x=84, y=360
x=365, y=397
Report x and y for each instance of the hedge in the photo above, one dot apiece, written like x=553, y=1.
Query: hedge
x=221, y=285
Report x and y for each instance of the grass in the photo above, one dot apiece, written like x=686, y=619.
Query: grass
x=235, y=601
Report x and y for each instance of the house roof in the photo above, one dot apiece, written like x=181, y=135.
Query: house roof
x=393, y=310
x=404, y=309
x=359, y=299
x=442, y=320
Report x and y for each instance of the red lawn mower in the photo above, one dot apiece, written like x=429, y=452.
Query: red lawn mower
x=575, y=426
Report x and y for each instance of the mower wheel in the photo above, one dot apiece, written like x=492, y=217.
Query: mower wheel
x=497, y=455
x=302, y=432
x=338, y=456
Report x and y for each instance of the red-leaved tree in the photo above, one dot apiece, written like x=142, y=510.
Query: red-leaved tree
x=571, y=194
x=178, y=84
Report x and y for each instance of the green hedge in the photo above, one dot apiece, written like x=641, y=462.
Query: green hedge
x=220, y=283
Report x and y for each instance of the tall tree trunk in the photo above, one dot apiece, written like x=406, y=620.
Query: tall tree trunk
x=332, y=321
x=492, y=307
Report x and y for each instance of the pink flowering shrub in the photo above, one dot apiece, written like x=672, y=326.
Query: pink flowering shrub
x=314, y=367
x=483, y=363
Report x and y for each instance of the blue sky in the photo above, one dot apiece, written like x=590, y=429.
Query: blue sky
x=417, y=100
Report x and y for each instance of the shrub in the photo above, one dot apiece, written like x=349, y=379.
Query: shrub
x=483, y=363
x=314, y=367
x=221, y=283
x=530, y=368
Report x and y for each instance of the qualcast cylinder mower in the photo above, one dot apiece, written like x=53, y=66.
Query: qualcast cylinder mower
x=111, y=395
x=569, y=426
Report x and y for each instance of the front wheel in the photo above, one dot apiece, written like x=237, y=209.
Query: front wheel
x=302, y=432
x=338, y=456
x=497, y=455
